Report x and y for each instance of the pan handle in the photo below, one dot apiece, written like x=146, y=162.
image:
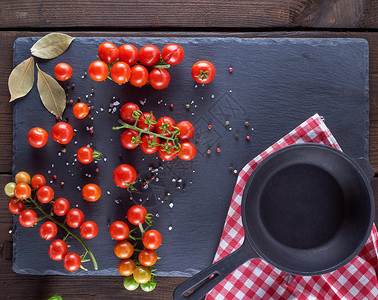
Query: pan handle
x=220, y=270
x=366, y=167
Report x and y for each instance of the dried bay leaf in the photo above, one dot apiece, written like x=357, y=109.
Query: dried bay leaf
x=51, y=45
x=52, y=94
x=21, y=79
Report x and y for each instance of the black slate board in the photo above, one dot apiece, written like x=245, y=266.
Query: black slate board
x=275, y=85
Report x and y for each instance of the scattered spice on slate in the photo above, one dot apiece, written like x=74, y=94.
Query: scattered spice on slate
x=71, y=101
x=230, y=69
x=227, y=123
x=246, y=123
x=97, y=170
x=235, y=171
x=247, y=138
x=64, y=150
x=54, y=177
x=218, y=150
x=209, y=126
x=62, y=183
x=237, y=136
x=78, y=99
x=171, y=106
x=208, y=151
x=187, y=106
x=73, y=86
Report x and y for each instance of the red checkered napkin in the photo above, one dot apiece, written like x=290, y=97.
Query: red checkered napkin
x=257, y=279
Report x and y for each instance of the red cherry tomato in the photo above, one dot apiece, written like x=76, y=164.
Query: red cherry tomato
x=126, y=267
x=61, y=206
x=22, y=191
x=128, y=54
x=146, y=138
x=159, y=78
x=152, y=239
x=38, y=181
x=186, y=130
x=172, y=54
x=28, y=218
x=63, y=71
x=98, y=70
x=127, y=112
x=127, y=137
x=139, y=76
x=124, y=249
x=37, y=137
x=62, y=133
x=149, y=55
x=108, y=52
x=88, y=230
x=91, y=192
x=85, y=155
x=136, y=214
x=164, y=155
x=80, y=110
x=119, y=230
x=187, y=151
x=147, y=257
x=143, y=119
x=58, y=249
x=45, y=194
x=16, y=207
x=165, y=123
x=74, y=218
x=120, y=72
x=123, y=175
x=72, y=262
x=203, y=71
x=48, y=230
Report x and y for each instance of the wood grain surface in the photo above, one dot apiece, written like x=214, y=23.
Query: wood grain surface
x=192, y=14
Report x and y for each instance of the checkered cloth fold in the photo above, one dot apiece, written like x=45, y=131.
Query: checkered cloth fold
x=256, y=279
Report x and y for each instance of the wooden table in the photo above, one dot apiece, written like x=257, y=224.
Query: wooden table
x=238, y=18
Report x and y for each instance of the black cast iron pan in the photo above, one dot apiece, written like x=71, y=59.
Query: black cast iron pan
x=307, y=209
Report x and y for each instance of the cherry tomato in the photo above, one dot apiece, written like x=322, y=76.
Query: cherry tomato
x=123, y=175
x=80, y=110
x=61, y=206
x=165, y=123
x=98, y=70
x=187, y=151
x=48, y=230
x=22, y=177
x=91, y=192
x=75, y=218
x=149, y=55
x=58, y=249
x=16, y=207
x=186, y=130
x=130, y=284
x=22, y=191
x=147, y=257
x=203, y=71
x=45, y=194
x=37, y=137
x=164, y=155
x=127, y=137
x=28, y=218
x=62, y=133
x=148, y=286
x=128, y=54
x=172, y=54
x=126, y=267
x=127, y=112
x=136, y=214
x=63, y=71
x=108, y=52
x=142, y=274
x=124, y=249
x=85, y=155
x=119, y=230
x=145, y=146
x=152, y=239
x=120, y=72
x=72, y=262
x=139, y=76
x=9, y=189
x=143, y=119
x=38, y=181
x=159, y=78
x=88, y=230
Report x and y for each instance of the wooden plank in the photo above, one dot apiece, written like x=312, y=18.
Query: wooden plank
x=194, y=14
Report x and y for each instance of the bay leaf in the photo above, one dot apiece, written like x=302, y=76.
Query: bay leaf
x=51, y=45
x=21, y=79
x=53, y=96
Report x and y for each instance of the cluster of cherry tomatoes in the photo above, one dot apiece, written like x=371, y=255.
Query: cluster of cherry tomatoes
x=127, y=64
x=21, y=193
x=169, y=140
x=135, y=264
